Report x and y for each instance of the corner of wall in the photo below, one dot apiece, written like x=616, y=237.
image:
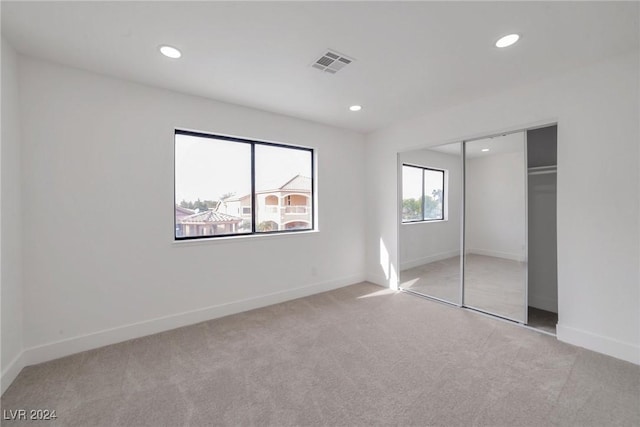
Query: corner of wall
x=12, y=370
x=11, y=360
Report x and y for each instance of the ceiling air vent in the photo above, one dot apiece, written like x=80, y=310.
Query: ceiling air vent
x=332, y=62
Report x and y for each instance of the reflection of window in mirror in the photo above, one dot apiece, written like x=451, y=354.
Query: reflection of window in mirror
x=423, y=195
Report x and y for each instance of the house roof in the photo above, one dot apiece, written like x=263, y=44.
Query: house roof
x=298, y=182
x=210, y=217
x=183, y=211
x=235, y=198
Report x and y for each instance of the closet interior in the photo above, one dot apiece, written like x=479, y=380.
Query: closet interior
x=542, y=168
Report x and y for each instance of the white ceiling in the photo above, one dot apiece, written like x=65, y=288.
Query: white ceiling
x=411, y=57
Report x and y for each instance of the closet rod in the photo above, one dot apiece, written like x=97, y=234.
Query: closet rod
x=542, y=172
x=539, y=170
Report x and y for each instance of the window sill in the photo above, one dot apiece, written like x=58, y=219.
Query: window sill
x=249, y=237
x=431, y=221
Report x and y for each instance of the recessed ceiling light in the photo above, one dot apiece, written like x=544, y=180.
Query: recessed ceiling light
x=507, y=40
x=355, y=108
x=170, y=52
x=485, y=149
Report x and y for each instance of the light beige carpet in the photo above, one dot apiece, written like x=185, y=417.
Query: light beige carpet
x=360, y=355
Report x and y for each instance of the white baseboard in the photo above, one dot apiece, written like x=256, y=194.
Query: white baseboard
x=66, y=347
x=377, y=280
x=601, y=344
x=11, y=372
x=496, y=254
x=428, y=259
x=381, y=280
x=542, y=302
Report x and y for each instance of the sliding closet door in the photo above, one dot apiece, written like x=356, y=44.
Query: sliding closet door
x=431, y=211
x=495, y=269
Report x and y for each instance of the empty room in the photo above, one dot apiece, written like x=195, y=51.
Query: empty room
x=320, y=213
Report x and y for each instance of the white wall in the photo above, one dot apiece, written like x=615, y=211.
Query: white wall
x=598, y=243
x=10, y=243
x=425, y=242
x=495, y=205
x=98, y=214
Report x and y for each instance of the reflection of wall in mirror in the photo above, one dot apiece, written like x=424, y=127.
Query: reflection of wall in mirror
x=495, y=210
x=424, y=242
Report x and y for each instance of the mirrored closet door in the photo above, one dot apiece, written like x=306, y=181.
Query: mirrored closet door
x=495, y=228
x=431, y=213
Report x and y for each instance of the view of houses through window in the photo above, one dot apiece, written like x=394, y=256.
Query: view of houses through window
x=219, y=179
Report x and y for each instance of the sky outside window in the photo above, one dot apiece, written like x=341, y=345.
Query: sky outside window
x=208, y=168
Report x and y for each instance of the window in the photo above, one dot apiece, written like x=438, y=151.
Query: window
x=422, y=194
x=228, y=186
